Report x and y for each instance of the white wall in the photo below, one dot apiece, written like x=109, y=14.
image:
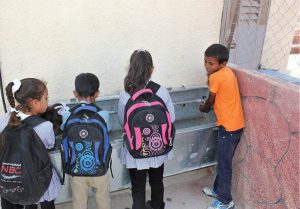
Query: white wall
x=55, y=40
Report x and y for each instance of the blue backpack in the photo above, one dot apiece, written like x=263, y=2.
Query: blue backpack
x=85, y=148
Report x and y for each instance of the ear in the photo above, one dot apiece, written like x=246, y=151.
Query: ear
x=75, y=94
x=33, y=102
x=97, y=93
x=152, y=70
x=223, y=64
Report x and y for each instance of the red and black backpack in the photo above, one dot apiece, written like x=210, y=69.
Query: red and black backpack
x=148, y=129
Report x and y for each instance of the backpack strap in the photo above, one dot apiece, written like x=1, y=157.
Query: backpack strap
x=83, y=106
x=150, y=88
x=140, y=92
x=34, y=120
x=153, y=86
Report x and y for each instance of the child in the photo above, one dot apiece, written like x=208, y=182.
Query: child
x=225, y=97
x=138, y=76
x=30, y=97
x=86, y=91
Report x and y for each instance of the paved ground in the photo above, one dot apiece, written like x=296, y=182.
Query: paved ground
x=182, y=191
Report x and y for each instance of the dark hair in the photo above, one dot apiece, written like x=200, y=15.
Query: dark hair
x=218, y=51
x=139, y=71
x=31, y=88
x=51, y=114
x=86, y=84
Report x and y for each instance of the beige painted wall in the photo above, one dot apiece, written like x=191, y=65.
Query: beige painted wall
x=55, y=40
x=279, y=34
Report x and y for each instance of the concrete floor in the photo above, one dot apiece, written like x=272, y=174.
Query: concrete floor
x=182, y=191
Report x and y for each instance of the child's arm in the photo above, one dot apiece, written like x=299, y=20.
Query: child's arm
x=105, y=115
x=46, y=134
x=4, y=121
x=123, y=99
x=207, y=105
x=65, y=116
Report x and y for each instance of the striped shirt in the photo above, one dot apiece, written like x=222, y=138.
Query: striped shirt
x=46, y=134
x=145, y=163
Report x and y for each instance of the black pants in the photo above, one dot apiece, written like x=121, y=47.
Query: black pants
x=138, y=183
x=44, y=205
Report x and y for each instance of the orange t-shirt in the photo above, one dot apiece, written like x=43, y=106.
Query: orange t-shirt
x=228, y=105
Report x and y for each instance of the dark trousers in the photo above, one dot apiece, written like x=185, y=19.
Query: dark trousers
x=138, y=183
x=226, y=145
x=5, y=204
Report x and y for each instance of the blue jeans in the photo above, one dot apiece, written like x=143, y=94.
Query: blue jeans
x=227, y=142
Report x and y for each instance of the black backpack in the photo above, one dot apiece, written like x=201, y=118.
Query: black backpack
x=148, y=129
x=85, y=148
x=26, y=169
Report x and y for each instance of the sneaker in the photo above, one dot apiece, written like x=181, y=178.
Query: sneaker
x=219, y=205
x=209, y=192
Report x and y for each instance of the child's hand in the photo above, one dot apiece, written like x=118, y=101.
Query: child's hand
x=203, y=100
x=202, y=103
x=208, y=104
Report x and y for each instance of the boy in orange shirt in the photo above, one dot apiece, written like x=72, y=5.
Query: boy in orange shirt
x=224, y=96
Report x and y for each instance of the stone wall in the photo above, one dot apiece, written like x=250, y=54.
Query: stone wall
x=266, y=163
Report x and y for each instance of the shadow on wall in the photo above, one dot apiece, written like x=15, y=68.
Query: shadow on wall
x=266, y=163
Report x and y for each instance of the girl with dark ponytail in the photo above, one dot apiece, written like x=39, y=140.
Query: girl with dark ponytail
x=139, y=73
x=30, y=97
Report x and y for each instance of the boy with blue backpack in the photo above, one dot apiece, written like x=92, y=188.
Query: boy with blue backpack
x=86, y=150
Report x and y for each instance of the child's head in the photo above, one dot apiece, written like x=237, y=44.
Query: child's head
x=86, y=87
x=29, y=96
x=215, y=57
x=139, y=71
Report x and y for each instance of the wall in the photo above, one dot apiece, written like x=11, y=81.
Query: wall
x=266, y=163
x=54, y=40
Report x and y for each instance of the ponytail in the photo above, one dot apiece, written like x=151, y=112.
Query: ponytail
x=14, y=120
x=139, y=71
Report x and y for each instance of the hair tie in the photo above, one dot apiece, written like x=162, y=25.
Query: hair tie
x=19, y=113
x=16, y=86
x=14, y=110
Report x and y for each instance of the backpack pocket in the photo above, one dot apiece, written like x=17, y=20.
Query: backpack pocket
x=152, y=140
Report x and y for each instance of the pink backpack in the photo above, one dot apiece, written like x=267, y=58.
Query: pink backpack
x=148, y=128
